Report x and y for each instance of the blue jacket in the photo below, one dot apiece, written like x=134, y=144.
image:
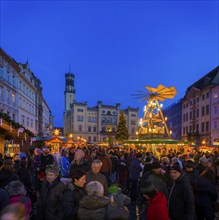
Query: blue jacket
x=135, y=169
x=64, y=166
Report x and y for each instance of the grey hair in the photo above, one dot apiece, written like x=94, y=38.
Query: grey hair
x=96, y=161
x=94, y=188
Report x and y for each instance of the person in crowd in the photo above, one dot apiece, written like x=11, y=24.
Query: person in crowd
x=80, y=161
x=16, y=161
x=7, y=173
x=93, y=205
x=205, y=196
x=64, y=163
x=181, y=198
x=14, y=211
x=1, y=159
x=165, y=164
x=57, y=158
x=147, y=164
x=95, y=175
x=106, y=164
x=202, y=165
x=38, y=174
x=123, y=173
x=50, y=202
x=47, y=158
x=73, y=194
x=191, y=172
x=17, y=194
x=211, y=171
x=158, y=177
x=176, y=160
x=4, y=198
x=25, y=175
x=30, y=157
x=118, y=197
x=134, y=175
x=71, y=154
x=94, y=153
x=115, y=163
x=156, y=201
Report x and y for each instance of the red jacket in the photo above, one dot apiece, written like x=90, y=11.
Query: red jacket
x=157, y=208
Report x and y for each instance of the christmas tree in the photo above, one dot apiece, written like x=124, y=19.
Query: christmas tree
x=122, y=130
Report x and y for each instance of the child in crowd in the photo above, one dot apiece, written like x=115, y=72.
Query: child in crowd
x=157, y=202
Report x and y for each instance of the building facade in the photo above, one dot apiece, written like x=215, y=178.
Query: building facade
x=9, y=74
x=97, y=124
x=215, y=115
x=198, y=107
x=174, y=119
x=21, y=96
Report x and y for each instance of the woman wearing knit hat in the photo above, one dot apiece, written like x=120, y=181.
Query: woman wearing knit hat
x=49, y=204
x=157, y=201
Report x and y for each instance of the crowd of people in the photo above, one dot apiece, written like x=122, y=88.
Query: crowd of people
x=94, y=183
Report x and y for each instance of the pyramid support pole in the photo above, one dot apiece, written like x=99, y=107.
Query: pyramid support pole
x=161, y=114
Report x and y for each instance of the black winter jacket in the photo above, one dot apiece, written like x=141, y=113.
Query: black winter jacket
x=49, y=204
x=181, y=199
x=72, y=195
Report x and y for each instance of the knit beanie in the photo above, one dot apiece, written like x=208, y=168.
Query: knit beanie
x=155, y=165
x=189, y=164
x=148, y=189
x=176, y=167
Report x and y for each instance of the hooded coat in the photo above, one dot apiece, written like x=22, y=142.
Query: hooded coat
x=17, y=193
x=93, y=207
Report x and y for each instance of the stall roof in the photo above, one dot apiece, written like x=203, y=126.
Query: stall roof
x=155, y=141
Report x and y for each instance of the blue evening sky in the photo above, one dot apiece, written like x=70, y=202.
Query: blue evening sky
x=114, y=47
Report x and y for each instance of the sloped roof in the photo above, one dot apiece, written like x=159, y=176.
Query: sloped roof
x=10, y=60
x=207, y=80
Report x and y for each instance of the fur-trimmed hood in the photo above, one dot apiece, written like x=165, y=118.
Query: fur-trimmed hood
x=16, y=188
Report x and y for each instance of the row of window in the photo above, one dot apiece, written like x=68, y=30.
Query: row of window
x=26, y=90
x=196, y=100
x=8, y=76
x=195, y=113
x=90, y=139
x=7, y=95
x=26, y=106
x=194, y=128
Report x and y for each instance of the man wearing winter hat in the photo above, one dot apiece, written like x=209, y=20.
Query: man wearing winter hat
x=157, y=176
x=181, y=199
x=49, y=204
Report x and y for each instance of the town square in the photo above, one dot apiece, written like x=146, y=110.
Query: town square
x=109, y=110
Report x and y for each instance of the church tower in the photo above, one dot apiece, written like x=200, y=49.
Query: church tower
x=69, y=90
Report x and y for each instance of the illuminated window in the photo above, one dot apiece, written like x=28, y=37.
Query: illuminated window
x=13, y=98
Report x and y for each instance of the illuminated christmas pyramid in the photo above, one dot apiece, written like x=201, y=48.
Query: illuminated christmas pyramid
x=153, y=123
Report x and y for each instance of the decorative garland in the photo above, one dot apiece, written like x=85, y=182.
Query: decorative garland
x=14, y=124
